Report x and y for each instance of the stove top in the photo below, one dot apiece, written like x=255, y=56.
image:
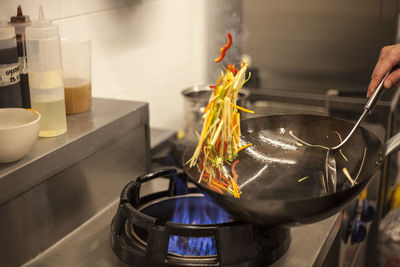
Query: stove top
x=89, y=244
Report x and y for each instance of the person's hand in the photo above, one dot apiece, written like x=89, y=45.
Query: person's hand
x=388, y=58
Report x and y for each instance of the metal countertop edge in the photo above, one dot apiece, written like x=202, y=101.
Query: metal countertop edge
x=15, y=183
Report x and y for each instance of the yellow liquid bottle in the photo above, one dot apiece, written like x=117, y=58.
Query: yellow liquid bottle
x=53, y=120
x=45, y=75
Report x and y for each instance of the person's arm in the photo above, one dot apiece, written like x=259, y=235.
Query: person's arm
x=388, y=58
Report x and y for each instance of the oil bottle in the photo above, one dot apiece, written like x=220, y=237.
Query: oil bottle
x=43, y=49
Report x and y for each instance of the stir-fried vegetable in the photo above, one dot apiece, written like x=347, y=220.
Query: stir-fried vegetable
x=346, y=172
x=219, y=139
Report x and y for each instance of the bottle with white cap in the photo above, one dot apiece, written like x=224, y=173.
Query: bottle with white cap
x=10, y=87
x=43, y=49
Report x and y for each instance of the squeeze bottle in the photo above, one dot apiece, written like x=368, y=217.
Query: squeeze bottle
x=10, y=87
x=20, y=22
x=43, y=49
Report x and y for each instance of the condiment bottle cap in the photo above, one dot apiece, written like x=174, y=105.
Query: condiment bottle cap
x=42, y=28
x=7, y=31
x=20, y=17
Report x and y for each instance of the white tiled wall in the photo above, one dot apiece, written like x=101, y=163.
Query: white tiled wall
x=145, y=50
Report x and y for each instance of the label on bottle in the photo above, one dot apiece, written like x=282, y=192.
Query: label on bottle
x=22, y=65
x=9, y=74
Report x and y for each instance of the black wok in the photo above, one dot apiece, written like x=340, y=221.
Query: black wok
x=271, y=171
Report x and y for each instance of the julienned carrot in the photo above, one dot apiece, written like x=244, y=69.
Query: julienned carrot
x=243, y=147
x=215, y=188
x=218, y=185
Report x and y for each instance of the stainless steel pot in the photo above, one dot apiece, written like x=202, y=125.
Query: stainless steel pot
x=195, y=101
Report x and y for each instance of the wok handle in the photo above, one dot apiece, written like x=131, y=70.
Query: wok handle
x=392, y=144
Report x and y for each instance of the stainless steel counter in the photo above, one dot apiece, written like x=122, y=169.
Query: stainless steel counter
x=65, y=181
x=83, y=137
x=59, y=201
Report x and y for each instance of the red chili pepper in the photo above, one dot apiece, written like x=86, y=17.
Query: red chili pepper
x=235, y=176
x=232, y=69
x=224, y=49
x=212, y=86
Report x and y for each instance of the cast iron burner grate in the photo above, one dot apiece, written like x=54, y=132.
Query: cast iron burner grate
x=153, y=231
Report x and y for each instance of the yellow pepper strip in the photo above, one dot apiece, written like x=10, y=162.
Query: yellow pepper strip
x=235, y=122
x=216, y=135
x=238, y=132
x=209, y=119
x=234, y=139
x=234, y=186
x=302, y=179
x=208, y=107
x=236, y=136
x=219, y=80
x=243, y=147
x=231, y=120
x=346, y=172
x=243, y=109
x=204, y=131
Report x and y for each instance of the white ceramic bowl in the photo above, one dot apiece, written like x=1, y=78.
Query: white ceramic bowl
x=19, y=130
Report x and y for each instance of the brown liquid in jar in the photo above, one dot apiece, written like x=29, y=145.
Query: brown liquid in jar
x=78, y=95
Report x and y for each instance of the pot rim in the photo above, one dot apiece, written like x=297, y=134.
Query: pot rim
x=243, y=93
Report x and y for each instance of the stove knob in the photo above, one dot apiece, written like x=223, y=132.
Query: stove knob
x=359, y=232
x=348, y=218
x=351, y=211
x=367, y=211
x=345, y=230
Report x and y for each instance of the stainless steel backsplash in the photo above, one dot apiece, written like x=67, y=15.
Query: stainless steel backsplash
x=317, y=44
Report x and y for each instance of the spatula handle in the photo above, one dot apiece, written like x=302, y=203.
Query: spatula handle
x=376, y=95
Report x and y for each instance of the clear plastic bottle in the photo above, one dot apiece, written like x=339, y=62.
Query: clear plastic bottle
x=43, y=49
x=10, y=86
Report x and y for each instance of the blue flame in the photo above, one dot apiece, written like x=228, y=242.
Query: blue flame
x=196, y=210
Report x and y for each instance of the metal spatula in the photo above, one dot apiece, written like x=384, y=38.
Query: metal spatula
x=330, y=179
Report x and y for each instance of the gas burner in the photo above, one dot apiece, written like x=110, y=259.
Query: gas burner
x=181, y=227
